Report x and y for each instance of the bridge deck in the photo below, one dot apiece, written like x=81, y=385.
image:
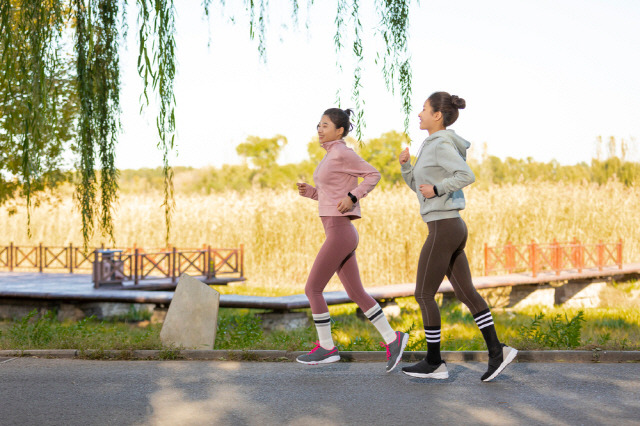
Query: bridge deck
x=79, y=288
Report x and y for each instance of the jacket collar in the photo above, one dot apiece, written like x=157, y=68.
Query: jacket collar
x=329, y=145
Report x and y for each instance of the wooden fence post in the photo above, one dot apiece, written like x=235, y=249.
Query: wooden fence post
x=96, y=275
x=71, y=258
x=579, y=255
x=557, y=256
x=620, y=243
x=135, y=265
x=600, y=247
x=209, y=274
x=41, y=257
x=533, y=258
x=242, y=260
x=10, y=259
x=173, y=265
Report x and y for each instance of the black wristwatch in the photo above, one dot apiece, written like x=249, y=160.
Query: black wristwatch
x=435, y=191
x=354, y=199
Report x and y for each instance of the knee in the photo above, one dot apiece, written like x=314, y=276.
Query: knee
x=309, y=291
x=424, y=297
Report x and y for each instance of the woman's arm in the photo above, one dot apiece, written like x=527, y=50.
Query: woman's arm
x=354, y=165
x=448, y=157
x=308, y=191
x=406, y=169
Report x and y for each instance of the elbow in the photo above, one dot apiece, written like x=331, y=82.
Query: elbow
x=472, y=178
x=375, y=178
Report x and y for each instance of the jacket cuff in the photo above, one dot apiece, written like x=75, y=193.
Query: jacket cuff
x=358, y=193
x=439, y=189
x=406, y=166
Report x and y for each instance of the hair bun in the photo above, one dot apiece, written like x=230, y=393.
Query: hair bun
x=348, y=111
x=458, y=102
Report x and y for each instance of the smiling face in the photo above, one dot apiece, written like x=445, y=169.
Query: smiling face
x=429, y=120
x=327, y=131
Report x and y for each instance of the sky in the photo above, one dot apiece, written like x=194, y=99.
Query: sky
x=541, y=79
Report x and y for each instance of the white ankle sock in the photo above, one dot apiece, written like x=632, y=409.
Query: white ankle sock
x=323, y=325
x=377, y=318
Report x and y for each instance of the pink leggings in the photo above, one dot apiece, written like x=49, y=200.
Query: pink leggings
x=337, y=254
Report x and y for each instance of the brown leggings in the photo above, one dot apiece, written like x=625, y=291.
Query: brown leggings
x=443, y=254
x=338, y=254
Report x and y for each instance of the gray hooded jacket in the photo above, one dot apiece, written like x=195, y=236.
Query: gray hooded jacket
x=440, y=162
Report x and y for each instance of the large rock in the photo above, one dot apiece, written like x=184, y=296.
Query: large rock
x=192, y=317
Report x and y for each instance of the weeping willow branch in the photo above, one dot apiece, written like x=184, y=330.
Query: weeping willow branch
x=161, y=71
x=44, y=105
x=107, y=108
x=98, y=86
x=357, y=74
x=394, y=28
x=30, y=34
x=86, y=187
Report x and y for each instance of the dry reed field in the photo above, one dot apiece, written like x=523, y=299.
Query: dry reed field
x=282, y=233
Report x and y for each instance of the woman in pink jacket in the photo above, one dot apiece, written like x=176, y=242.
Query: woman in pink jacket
x=338, y=195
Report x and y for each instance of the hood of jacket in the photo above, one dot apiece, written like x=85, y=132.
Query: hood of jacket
x=461, y=144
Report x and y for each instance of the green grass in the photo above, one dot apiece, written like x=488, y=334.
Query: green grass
x=615, y=326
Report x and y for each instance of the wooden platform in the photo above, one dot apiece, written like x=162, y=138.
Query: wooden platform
x=78, y=288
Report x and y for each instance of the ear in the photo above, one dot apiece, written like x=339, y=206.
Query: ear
x=437, y=116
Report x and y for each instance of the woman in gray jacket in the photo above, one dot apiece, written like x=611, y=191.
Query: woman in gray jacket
x=437, y=177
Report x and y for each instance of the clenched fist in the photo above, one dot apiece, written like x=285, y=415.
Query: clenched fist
x=404, y=156
x=302, y=188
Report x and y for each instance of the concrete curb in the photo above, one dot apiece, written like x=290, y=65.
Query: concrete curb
x=348, y=356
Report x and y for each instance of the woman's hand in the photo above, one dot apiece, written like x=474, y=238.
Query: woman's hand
x=345, y=205
x=427, y=191
x=404, y=156
x=302, y=188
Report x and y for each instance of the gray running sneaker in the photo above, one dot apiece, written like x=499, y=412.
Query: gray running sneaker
x=319, y=355
x=395, y=350
x=497, y=364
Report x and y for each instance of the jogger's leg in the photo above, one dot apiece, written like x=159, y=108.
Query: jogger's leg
x=459, y=275
x=327, y=262
x=349, y=275
x=432, y=267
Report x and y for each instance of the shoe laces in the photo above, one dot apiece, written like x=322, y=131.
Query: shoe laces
x=384, y=345
x=317, y=343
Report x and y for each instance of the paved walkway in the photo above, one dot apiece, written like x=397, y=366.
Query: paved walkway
x=73, y=392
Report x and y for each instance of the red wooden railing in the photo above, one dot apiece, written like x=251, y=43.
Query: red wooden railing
x=554, y=256
x=133, y=263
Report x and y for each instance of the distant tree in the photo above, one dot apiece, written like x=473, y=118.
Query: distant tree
x=382, y=153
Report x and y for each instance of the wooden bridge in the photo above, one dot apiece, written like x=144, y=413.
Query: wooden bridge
x=52, y=289
x=153, y=269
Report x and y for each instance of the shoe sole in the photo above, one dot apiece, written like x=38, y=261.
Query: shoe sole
x=405, y=340
x=507, y=361
x=440, y=376
x=334, y=358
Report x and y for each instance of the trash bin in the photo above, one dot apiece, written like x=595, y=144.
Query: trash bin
x=110, y=267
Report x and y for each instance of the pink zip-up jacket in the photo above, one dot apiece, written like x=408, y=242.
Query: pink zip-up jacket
x=337, y=175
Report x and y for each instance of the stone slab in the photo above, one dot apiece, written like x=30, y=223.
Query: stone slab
x=192, y=317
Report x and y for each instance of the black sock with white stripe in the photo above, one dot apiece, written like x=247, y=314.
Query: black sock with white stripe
x=432, y=335
x=484, y=320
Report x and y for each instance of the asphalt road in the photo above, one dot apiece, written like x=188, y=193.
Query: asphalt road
x=73, y=392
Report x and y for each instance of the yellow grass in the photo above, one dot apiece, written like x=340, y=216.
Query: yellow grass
x=281, y=232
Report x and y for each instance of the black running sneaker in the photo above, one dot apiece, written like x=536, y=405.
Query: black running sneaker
x=497, y=364
x=424, y=370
